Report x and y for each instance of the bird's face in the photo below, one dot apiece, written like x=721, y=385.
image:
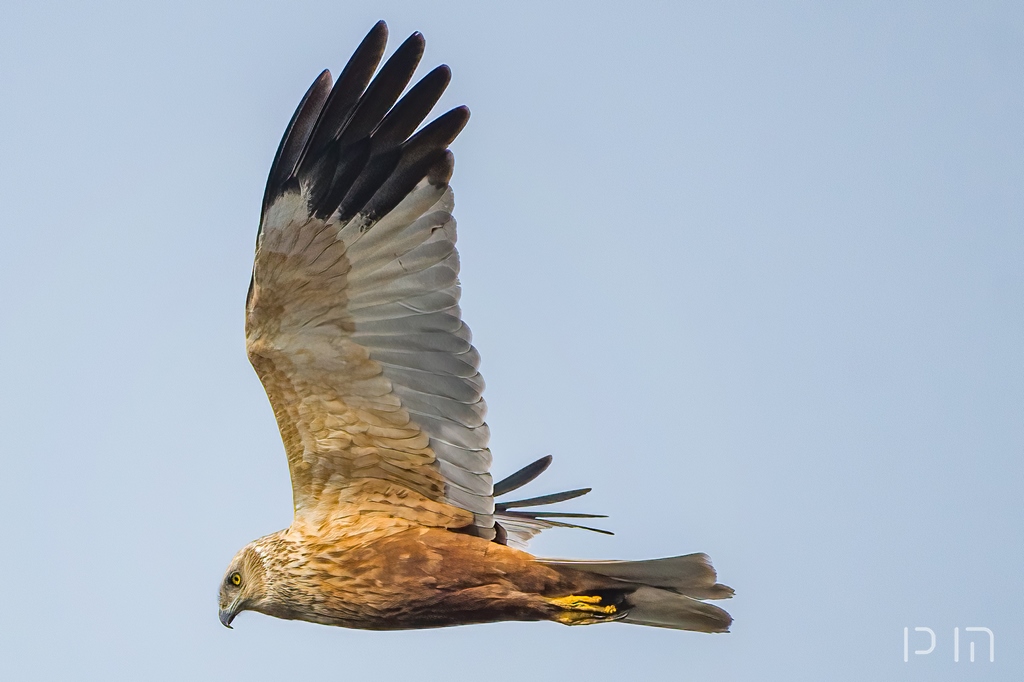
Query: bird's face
x=244, y=584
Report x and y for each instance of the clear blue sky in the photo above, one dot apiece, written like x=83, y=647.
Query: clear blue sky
x=755, y=272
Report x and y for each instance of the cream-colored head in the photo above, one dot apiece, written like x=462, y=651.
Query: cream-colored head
x=246, y=585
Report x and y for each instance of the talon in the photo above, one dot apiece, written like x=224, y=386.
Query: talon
x=576, y=618
x=582, y=609
x=574, y=601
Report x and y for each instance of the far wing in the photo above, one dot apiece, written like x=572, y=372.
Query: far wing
x=516, y=523
x=353, y=323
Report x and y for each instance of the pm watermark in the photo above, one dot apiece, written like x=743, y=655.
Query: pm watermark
x=969, y=637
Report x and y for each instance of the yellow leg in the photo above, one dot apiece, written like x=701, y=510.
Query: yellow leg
x=582, y=610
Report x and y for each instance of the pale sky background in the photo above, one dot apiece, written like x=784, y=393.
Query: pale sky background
x=753, y=271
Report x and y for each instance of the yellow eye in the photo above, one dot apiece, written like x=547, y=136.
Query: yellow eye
x=236, y=579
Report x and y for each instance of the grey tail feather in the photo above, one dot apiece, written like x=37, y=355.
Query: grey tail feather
x=691, y=574
x=664, y=609
x=669, y=590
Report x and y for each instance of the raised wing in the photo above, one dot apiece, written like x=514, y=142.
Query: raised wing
x=353, y=323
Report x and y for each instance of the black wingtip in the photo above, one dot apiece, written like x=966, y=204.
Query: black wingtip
x=410, y=111
x=523, y=476
x=375, y=41
x=462, y=111
x=543, y=499
x=512, y=510
x=415, y=42
x=440, y=174
x=553, y=515
x=295, y=136
x=355, y=144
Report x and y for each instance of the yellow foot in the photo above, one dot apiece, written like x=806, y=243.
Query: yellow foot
x=582, y=610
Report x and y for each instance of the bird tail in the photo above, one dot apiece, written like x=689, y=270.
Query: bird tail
x=662, y=593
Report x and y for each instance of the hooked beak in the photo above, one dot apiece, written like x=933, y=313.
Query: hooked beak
x=226, y=616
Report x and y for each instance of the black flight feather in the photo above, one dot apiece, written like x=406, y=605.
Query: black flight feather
x=543, y=499
x=295, y=136
x=509, y=510
x=552, y=515
x=388, y=137
x=410, y=111
x=522, y=477
x=559, y=524
x=385, y=89
x=420, y=154
x=348, y=147
x=347, y=164
x=345, y=95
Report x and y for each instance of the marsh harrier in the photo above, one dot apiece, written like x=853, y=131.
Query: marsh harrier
x=353, y=326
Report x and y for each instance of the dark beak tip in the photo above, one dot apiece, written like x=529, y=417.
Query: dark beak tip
x=225, y=619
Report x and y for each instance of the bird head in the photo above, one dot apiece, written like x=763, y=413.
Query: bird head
x=244, y=585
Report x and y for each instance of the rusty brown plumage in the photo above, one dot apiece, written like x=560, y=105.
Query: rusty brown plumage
x=353, y=326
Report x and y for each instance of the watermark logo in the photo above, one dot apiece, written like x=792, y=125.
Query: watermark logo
x=970, y=639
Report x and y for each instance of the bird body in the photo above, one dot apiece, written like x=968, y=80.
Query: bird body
x=354, y=328
x=412, y=576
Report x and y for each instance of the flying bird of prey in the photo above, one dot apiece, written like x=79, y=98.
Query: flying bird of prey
x=353, y=326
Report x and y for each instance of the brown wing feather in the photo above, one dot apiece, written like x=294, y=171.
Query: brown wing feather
x=339, y=418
